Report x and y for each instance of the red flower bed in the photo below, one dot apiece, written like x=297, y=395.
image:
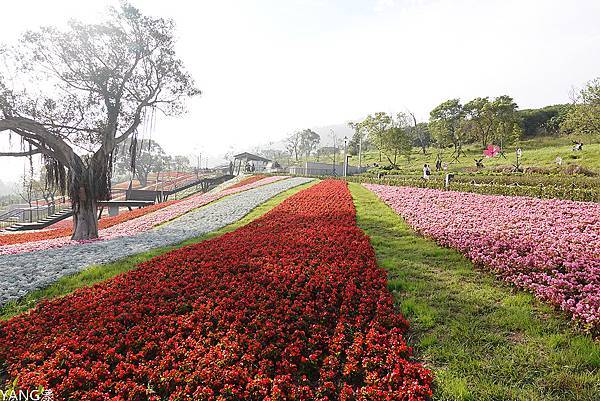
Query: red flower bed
x=289, y=307
x=248, y=180
x=105, y=222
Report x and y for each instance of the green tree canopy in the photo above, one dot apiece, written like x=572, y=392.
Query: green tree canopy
x=390, y=134
x=446, y=124
x=543, y=121
x=309, y=140
x=147, y=157
x=583, y=117
x=507, y=122
x=480, y=119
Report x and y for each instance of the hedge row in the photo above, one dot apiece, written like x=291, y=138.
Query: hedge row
x=523, y=180
x=576, y=189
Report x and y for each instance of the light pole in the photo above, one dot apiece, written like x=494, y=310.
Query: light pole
x=198, y=165
x=196, y=154
x=345, y=156
x=334, y=150
x=359, y=152
x=356, y=127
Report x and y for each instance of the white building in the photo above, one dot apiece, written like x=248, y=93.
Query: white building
x=313, y=168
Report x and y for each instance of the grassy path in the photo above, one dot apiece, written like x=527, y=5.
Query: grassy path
x=98, y=273
x=482, y=339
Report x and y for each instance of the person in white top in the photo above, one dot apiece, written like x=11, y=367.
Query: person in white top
x=426, y=172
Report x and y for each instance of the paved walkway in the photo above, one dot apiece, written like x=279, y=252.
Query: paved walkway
x=23, y=273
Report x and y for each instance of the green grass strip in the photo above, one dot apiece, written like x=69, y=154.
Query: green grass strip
x=95, y=274
x=483, y=339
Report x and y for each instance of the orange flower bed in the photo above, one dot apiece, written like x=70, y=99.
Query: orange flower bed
x=248, y=180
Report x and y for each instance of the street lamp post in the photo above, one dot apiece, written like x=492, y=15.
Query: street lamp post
x=334, y=150
x=198, y=165
x=359, y=152
x=345, y=156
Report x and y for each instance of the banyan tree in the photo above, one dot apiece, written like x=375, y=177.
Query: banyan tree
x=72, y=96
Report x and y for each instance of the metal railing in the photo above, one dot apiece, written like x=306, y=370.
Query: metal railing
x=29, y=214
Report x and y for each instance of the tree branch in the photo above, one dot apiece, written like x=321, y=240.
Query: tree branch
x=35, y=131
x=21, y=154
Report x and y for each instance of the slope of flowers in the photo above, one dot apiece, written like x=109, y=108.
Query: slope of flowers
x=290, y=307
x=550, y=247
x=68, y=222
x=140, y=223
x=248, y=180
x=67, y=229
x=64, y=228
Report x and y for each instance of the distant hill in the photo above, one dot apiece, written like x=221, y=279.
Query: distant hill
x=339, y=130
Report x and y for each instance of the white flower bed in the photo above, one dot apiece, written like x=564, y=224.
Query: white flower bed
x=23, y=273
x=141, y=223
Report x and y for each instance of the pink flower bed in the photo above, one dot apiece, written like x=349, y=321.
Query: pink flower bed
x=142, y=223
x=549, y=247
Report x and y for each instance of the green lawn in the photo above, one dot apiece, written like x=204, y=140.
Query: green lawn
x=538, y=152
x=482, y=339
x=96, y=274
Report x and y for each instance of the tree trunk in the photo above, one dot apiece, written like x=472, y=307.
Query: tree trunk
x=85, y=221
x=142, y=178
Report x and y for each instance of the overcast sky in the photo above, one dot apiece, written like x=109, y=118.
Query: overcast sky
x=267, y=68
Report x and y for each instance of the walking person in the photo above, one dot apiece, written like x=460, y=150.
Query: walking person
x=426, y=171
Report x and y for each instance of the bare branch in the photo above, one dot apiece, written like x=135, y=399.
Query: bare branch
x=21, y=154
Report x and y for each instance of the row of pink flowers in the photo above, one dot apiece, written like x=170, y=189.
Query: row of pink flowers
x=142, y=223
x=549, y=247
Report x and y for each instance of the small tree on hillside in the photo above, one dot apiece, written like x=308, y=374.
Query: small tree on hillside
x=375, y=126
x=583, y=117
x=390, y=134
x=181, y=163
x=293, y=145
x=507, y=122
x=149, y=157
x=480, y=120
x=46, y=191
x=446, y=125
x=27, y=189
x=309, y=140
x=359, y=140
x=419, y=133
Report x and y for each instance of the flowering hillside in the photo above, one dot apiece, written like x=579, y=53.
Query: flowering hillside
x=291, y=306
